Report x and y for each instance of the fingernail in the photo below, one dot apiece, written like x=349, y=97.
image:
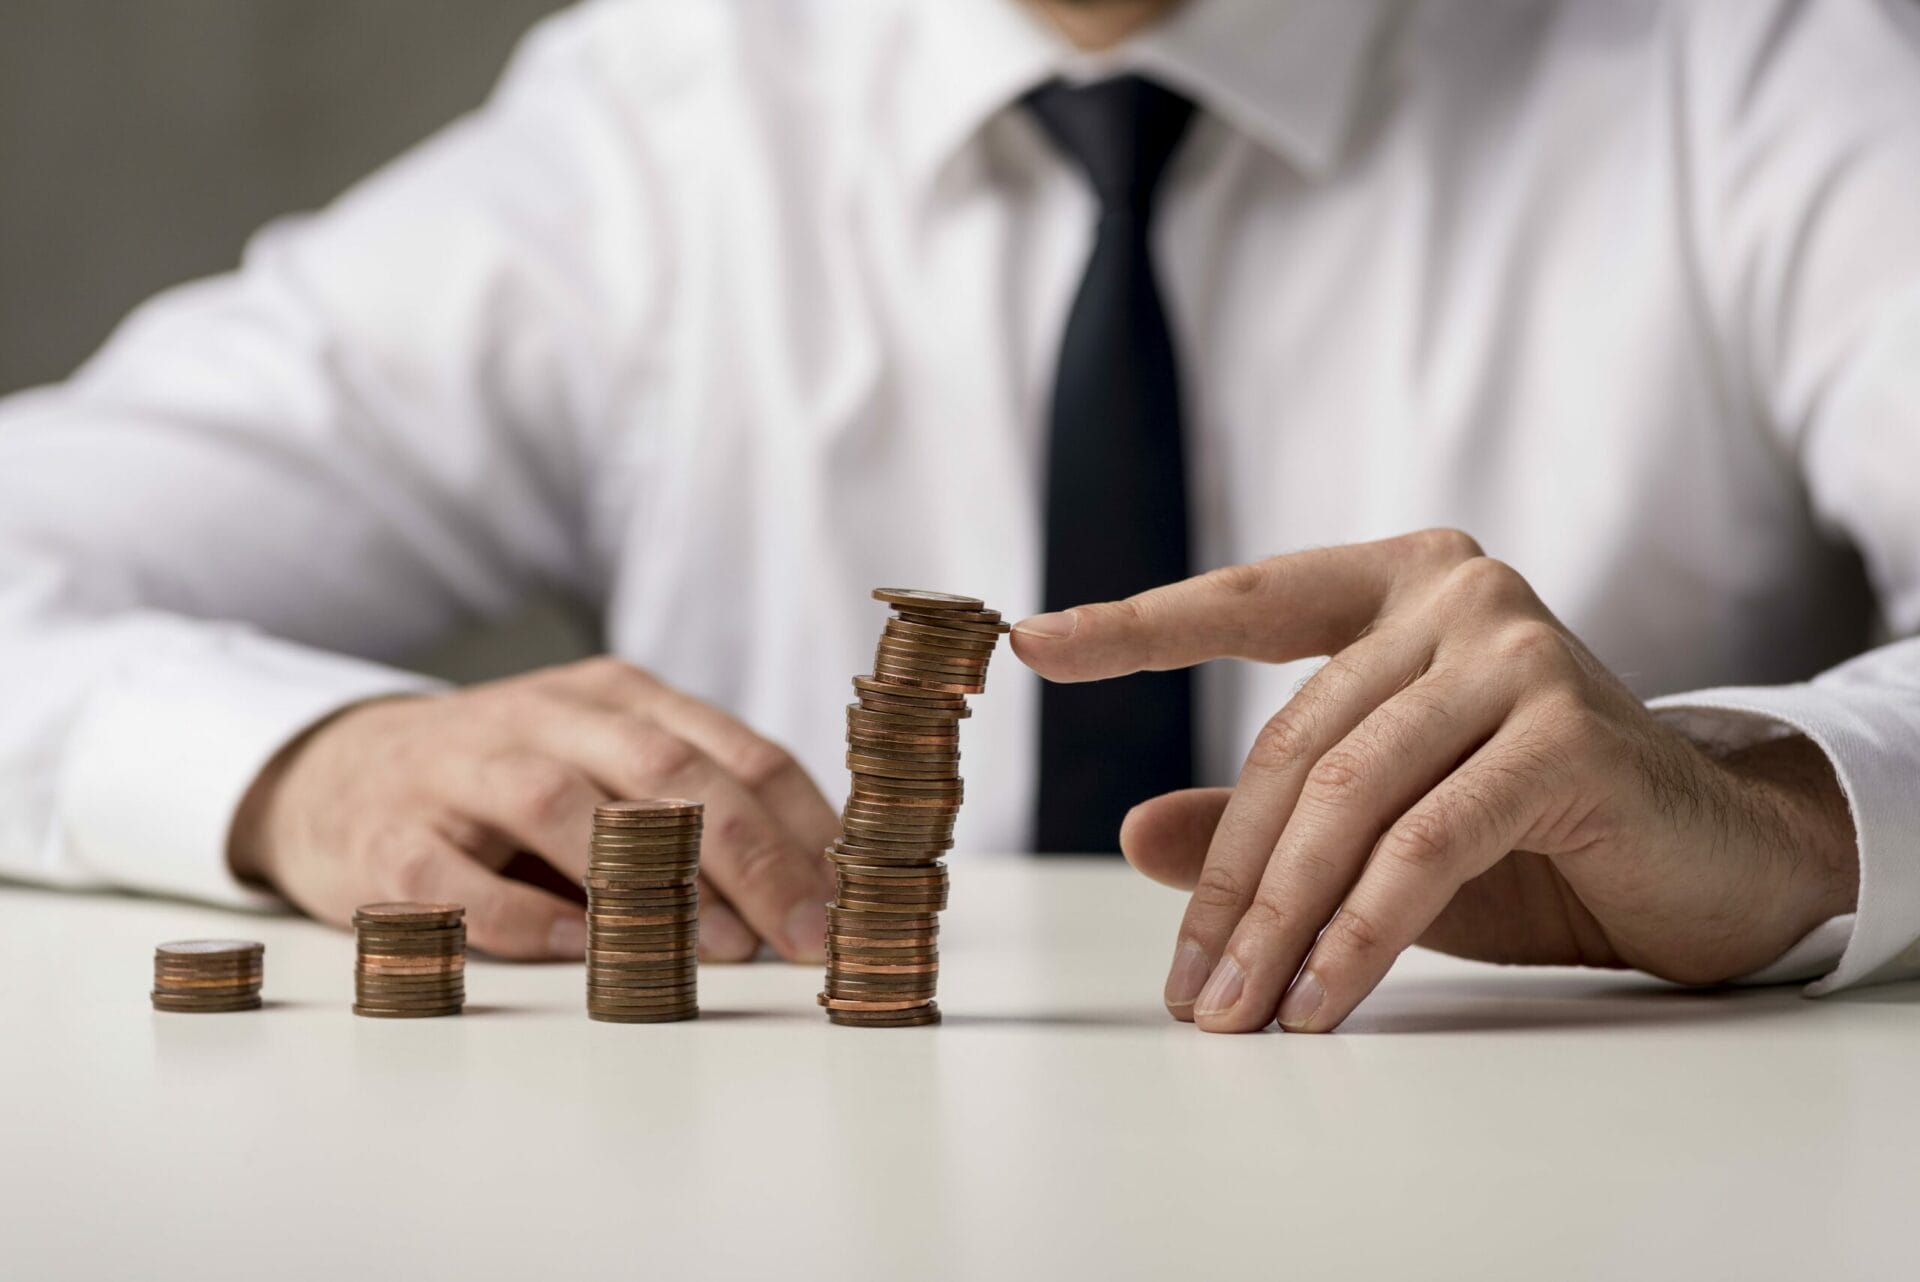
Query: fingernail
x=1189, y=972
x=1302, y=1000
x=1050, y=627
x=1223, y=990
x=724, y=937
x=567, y=938
x=807, y=932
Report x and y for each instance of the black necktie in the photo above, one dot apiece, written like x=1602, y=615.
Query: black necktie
x=1116, y=474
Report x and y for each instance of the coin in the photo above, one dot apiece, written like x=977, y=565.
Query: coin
x=198, y=951
x=917, y=599
x=409, y=960
x=207, y=976
x=643, y=910
x=928, y=1014
x=983, y=621
x=903, y=752
x=649, y=807
x=409, y=914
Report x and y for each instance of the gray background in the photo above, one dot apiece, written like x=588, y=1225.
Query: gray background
x=141, y=141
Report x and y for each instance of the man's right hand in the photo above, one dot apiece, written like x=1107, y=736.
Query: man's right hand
x=427, y=798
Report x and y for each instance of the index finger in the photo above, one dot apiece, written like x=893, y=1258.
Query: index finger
x=1283, y=608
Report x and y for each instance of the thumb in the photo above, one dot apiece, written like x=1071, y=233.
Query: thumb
x=1167, y=837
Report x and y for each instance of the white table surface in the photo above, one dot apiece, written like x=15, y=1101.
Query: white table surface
x=1469, y=1122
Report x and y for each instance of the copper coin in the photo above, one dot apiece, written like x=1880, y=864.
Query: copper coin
x=382, y=1012
x=899, y=676
x=919, y=599
x=960, y=620
x=407, y=914
x=959, y=640
x=883, y=944
x=909, y=694
x=841, y=1003
x=900, y=741
x=880, y=706
x=200, y=984
x=891, y=769
x=900, y=1019
x=649, y=807
x=203, y=950
x=922, y=658
x=167, y=979
x=172, y=1005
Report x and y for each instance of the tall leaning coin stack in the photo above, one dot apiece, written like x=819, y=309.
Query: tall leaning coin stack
x=643, y=910
x=205, y=976
x=411, y=960
x=903, y=749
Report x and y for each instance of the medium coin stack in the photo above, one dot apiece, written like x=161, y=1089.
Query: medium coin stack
x=643, y=909
x=412, y=960
x=208, y=975
x=903, y=747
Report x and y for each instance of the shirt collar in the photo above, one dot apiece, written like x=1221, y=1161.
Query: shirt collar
x=1289, y=73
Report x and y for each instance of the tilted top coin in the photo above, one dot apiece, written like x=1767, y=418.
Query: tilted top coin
x=916, y=599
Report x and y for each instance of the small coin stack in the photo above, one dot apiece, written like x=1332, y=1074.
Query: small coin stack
x=208, y=975
x=903, y=747
x=412, y=960
x=643, y=909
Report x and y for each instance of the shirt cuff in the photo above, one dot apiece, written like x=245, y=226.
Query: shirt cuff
x=165, y=751
x=1873, y=744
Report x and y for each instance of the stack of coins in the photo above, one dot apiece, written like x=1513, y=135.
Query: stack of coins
x=412, y=960
x=207, y=975
x=903, y=747
x=643, y=909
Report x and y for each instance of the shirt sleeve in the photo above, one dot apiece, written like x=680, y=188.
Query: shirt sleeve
x=1804, y=128
x=270, y=488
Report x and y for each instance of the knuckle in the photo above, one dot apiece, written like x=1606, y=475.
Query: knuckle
x=1354, y=933
x=1246, y=579
x=608, y=672
x=1340, y=778
x=1421, y=840
x=730, y=831
x=1445, y=544
x=1264, y=917
x=1486, y=583
x=761, y=763
x=1218, y=890
x=541, y=791
x=762, y=864
x=657, y=754
x=413, y=871
x=1286, y=737
x=600, y=667
x=1128, y=617
x=1566, y=717
x=1532, y=645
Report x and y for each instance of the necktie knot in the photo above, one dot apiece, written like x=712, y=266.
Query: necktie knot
x=1122, y=132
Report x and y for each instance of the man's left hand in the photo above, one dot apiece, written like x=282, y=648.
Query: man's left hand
x=1461, y=773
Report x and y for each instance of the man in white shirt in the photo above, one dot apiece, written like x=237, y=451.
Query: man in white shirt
x=719, y=315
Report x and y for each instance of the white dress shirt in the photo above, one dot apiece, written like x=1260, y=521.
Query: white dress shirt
x=720, y=314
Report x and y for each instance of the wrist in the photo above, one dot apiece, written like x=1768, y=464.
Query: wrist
x=253, y=839
x=248, y=840
x=1799, y=806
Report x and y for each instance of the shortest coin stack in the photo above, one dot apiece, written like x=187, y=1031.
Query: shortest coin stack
x=412, y=960
x=207, y=975
x=643, y=910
